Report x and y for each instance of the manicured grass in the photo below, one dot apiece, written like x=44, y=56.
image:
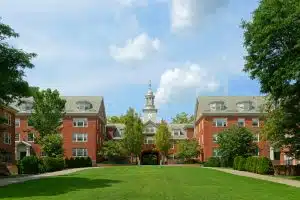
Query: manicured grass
x=149, y=183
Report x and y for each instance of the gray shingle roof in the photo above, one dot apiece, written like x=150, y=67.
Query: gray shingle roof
x=230, y=105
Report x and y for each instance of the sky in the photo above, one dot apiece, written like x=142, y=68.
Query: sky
x=112, y=48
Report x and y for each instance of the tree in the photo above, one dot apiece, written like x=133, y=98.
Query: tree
x=52, y=145
x=13, y=63
x=236, y=141
x=133, y=134
x=47, y=118
x=163, y=140
x=113, y=149
x=183, y=118
x=272, y=42
x=188, y=149
x=116, y=119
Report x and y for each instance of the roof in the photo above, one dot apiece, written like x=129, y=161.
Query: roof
x=202, y=106
x=71, y=104
x=171, y=126
x=9, y=108
x=117, y=125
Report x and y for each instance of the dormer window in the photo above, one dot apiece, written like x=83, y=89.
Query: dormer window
x=27, y=106
x=217, y=106
x=244, y=106
x=84, y=105
x=177, y=133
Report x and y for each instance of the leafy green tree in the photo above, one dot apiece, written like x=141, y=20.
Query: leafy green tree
x=183, y=118
x=116, y=119
x=47, y=118
x=52, y=145
x=133, y=134
x=112, y=149
x=163, y=140
x=188, y=149
x=13, y=63
x=273, y=48
x=236, y=141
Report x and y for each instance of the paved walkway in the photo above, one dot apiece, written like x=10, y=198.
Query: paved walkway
x=258, y=176
x=7, y=181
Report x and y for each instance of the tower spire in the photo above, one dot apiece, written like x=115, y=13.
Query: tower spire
x=149, y=85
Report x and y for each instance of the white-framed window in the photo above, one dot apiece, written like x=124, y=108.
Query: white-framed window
x=220, y=122
x=117, y=134
x=241, y=122
x=17, y=137
x=6, y=138
x=216, y=152
x=17, y=122
x=215, y=138
x=8, y=118
x=30, y=137
x=256, y=151
x=255, y=122
x=216, y=106
x=79, y=137
x=149, y=140
x=29, y=123
x=80, y=122
x=79, y=152
x=256, y=137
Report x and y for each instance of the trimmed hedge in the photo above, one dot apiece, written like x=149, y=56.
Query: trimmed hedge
x=213, y=162
x=53, y=164
x=260, y=165
x=78, y=162
x=30, y=165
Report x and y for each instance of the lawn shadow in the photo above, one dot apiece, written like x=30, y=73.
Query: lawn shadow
x=53, y=186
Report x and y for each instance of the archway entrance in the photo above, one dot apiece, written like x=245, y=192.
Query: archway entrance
x=150, y=158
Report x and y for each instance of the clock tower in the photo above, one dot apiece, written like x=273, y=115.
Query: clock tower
x=149, y=111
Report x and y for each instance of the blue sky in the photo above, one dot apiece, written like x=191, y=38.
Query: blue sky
x=113, y=48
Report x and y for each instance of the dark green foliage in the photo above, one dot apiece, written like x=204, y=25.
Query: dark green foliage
x=264, y=166
x=241, y=164
x=52, y=145
x=13, y=63
x=253, y=165
x=163, y=141
x=183, y=118
x=248, y=163
x=236, y=162
x=225, y=162
x=112, y=150
x=213, y=162
x=53, y=164
x=287, y=170
x=30, y=165
x=188, y=149
x=78, y=162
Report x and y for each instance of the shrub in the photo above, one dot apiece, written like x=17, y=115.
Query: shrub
x=225, y=162
x=264, y=166
x=53, y=164
x=213, y=162
x=241, y=164
x=287, y=170
x=236, y=162
x=248, y=164
x=30, y=165
x=253, y=165
x=78, y=162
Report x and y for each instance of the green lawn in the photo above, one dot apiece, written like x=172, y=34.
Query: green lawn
x=149, y=182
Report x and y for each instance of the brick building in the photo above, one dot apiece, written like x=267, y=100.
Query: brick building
x=215, y=113
x=82, y=130
x=7, y=134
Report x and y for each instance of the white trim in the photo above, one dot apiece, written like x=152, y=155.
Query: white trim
x=84, y=137
x=7, y=138
x=19, y=122
x=224, y=122
x=17, y=133
x=241, y=120
x=257, y=122
x=84, y=122
x=8, y=117
x=32, y=137
x=84, y=152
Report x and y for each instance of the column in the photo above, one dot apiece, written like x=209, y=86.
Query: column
x=27, y=151
x=271, y=153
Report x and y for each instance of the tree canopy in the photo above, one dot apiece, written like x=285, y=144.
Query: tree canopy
x=116, y=119
x=188, y=149
x=13, y=63
x=183, y=118
x=272, y=41
x=163, y=139
x=112, y=149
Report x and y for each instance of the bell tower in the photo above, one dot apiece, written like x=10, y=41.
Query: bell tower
x=149, y=111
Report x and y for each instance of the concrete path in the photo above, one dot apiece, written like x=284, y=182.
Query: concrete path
x=7, y=181
x=258, y=176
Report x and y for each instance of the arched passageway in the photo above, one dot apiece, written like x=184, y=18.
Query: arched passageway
x=150, y=158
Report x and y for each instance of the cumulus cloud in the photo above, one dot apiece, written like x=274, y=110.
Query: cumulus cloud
x=176, y=80
x=188, y=13
x=135, y=49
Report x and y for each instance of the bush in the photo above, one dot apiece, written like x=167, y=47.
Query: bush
x=287, y=170
x=213, y=162
x=236, y=162
x=78, y=162
x=53, y=164
x=241, y=164
x=225, y=162
x=264, y=166
x=248, y=164
x=30, y=165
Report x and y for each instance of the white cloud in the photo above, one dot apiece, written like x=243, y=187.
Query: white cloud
x=188, y=13
x=175, y=81
x=135, y=49
x=130, y=3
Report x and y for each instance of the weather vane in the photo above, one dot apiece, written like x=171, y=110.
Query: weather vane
x=149, y=84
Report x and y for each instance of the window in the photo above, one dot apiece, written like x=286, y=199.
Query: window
x=149, y=140
x=6, y=157
x=256, y=153
x=220, y=122
x=178, y=133
x=80, y=122
x=17, y=137
x=256, y=137
x=17, y=122
x=7, y=116
x=215, y=138
x=79, y=152
x=30, y=137
x=43, y=154
x=84, y=105
x=276, y=154
x=255, y=122
x=117, y=133
x=216, y=152
x=241, y=122
x=29, y=123
x=7, y=138
x=216, y=106
x=79, y=137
